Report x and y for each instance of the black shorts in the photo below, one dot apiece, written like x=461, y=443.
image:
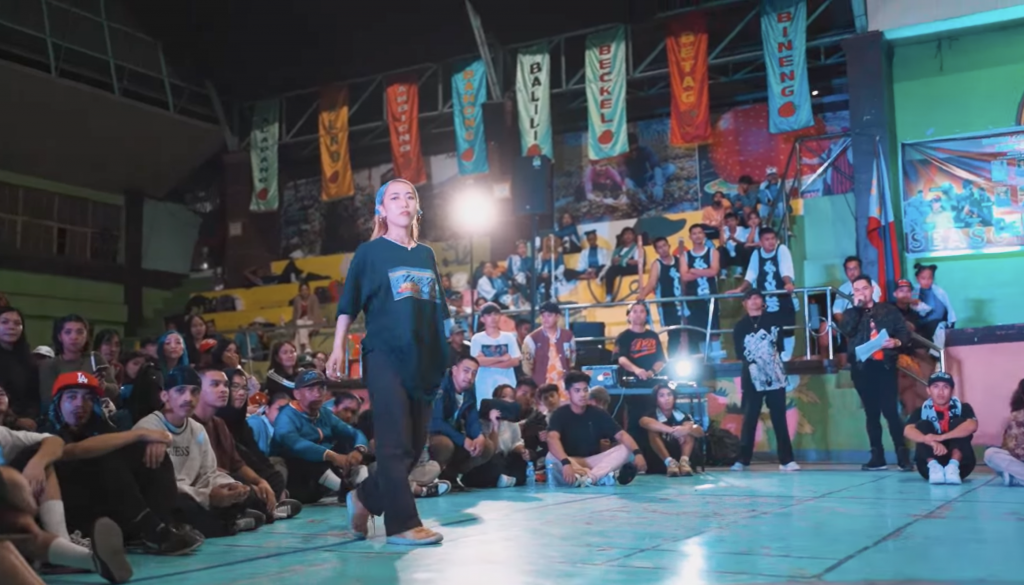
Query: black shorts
x=699, y=315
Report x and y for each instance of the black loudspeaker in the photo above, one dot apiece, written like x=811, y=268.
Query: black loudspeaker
x=590, y=353
x=532, y=185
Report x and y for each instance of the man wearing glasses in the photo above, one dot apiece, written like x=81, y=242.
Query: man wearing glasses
x=308, y=435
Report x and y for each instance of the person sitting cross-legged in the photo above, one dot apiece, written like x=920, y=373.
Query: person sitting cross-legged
x=457, y=441
x=574, y=438
x=102, y=472
x=943, y=428
x=1008, y=459
x=507, y=467
x=18, y=510
x=209, y=499
x=262, y=497
x=671, y=433
x=307, y=434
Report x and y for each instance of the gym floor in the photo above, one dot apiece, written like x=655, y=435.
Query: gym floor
x=823, y=524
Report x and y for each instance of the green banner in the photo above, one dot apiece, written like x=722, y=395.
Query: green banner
x=263, y=152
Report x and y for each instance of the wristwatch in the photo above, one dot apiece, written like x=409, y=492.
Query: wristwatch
x=637, y=452
x=565, y=462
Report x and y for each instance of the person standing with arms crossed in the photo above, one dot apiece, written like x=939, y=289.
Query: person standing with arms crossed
x=394, y=280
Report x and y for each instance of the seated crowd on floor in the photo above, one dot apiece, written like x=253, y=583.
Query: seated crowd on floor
x=159, y=448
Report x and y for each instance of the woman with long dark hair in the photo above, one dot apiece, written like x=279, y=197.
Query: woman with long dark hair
x=71, y=346
x=394, y=280
x=18, y=373
x=283, y=368
x=108, y=343
x=193, y=332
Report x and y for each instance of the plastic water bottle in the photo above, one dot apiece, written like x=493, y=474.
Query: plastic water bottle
x=531, y=474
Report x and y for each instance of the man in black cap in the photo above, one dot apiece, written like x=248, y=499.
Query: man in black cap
x=307, y=435
x=874, y=377
x=943, y=428
x=758, y=342
x=550, y=351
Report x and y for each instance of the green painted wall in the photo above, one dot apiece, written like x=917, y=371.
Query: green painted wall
x=975, y=83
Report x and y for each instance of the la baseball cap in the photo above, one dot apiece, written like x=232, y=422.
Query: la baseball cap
x=76, y=380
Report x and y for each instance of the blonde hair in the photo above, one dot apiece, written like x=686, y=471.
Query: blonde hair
x=380, y=223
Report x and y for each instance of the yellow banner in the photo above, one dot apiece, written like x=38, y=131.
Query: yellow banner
x=334, y=154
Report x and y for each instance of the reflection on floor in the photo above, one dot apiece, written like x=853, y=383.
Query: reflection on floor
x=821, y=524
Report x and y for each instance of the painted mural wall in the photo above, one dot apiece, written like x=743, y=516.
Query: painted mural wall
x=934, y=74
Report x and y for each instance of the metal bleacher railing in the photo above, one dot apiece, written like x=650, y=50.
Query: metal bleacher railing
x=325, y=332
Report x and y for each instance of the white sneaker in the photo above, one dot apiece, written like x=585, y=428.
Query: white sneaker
x=952, y=473
x=505, y=481
x=358, y=475
x=737, y=467
x=608, y=480
x=791, y=466
x=937, y=475
x=583, y=481
x=77, y=538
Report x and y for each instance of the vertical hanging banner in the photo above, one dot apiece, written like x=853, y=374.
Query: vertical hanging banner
x=336, y=177
x=606, y=93
x=687, y=48
x=533, y=97
x=403, y=100
x=784, y=37
x=469, y=92
x=263, y=139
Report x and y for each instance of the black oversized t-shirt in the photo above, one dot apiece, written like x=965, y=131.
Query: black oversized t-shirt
x=581, y=434
x=966, y=413
x=643, y=349
x=677, y=419
x=407, y=317
x=759, y=344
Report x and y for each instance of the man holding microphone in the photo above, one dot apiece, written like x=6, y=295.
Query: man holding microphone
x=874, y=377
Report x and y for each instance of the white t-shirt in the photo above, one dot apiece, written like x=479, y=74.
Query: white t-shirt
x=13, y=442
x=487, y=378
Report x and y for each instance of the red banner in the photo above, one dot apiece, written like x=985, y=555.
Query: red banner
x=403, y=100
x=687, y=47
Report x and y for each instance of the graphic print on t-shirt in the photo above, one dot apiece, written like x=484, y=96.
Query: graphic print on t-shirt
x=417, y=283
x=643, y=346
x=766, y=369
x=491, y=351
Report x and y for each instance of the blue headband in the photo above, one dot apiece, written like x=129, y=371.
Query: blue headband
x=380, y=197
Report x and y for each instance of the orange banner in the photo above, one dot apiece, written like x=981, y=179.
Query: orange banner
x=336, y=180
x=687, y=47
x=403, y=100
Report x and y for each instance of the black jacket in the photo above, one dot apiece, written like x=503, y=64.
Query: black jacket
x=856, y=325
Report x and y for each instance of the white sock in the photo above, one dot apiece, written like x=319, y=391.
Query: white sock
x=65, y=553
x=330, y=481
x=51, y=516
x=669, y=461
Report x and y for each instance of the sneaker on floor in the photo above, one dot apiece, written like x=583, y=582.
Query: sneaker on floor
x=583, y=481
x=627, y=474
x=287, y=509
x=505, y=481
x=435, y=490
x=936, y=474
x=737, y=467
x=684, y=467
x=358, y=475
x=672, y=469
x=416, y=537
x=876, y=463
x=250, y=520
x=952, y=473
x=108, y=554
x=77, y=538
x=187, y=529
x=169, y=542
x=606, y=481
x=791, y=466
x=1011, y=481
x=903, y=460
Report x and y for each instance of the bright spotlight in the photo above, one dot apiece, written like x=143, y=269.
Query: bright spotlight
x=683, y=368
x=474, y=210
x=815, y=92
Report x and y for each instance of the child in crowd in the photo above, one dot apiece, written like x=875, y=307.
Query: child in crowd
x=943, y=428
x=1008, y=460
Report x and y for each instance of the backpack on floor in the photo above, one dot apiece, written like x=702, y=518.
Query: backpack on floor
x=723, y=447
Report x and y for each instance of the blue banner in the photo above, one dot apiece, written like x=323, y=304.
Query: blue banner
x=469, y=92
x=784, y=35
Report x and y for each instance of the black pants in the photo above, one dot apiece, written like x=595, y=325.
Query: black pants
x=878, y=388
x=751, y=403
x=486, y=475
x=259, y=463
x=400, y=424
x=741, y=258
x=612, y=275
x=924, y=452
x=212, y=522
x=117, y=485
x=304, y=478
x=668, y=314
